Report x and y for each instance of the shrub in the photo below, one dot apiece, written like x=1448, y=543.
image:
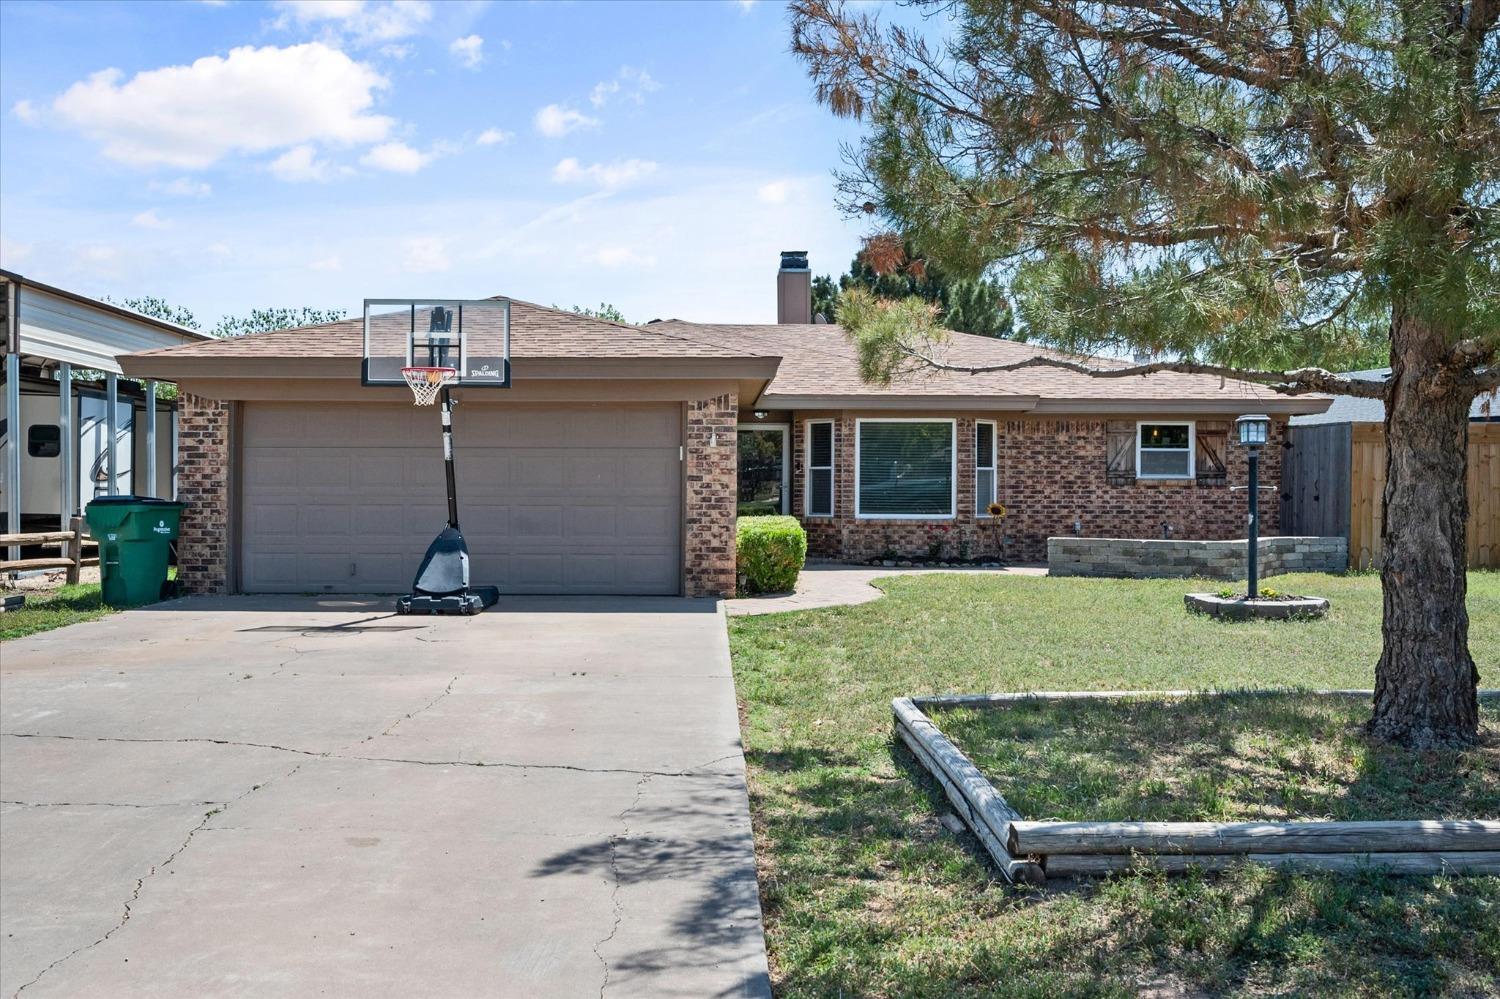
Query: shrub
x=769, y=552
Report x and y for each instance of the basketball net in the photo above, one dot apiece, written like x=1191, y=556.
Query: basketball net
x=426, y=383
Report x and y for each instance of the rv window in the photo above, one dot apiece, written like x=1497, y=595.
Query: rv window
x=43, y=440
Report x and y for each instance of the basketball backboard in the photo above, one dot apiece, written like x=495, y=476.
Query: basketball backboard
x=469, y=335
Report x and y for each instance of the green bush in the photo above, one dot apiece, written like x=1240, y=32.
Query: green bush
x=769, y=552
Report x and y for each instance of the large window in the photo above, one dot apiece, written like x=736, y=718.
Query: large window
x=762, y=470
x=984, y=467
x=819, y=444
x=1164, y=451
x=905, y=469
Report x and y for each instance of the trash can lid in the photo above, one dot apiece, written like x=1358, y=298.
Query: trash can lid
x=133, y=501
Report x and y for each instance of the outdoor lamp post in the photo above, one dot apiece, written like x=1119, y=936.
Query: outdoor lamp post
x=1253, y=431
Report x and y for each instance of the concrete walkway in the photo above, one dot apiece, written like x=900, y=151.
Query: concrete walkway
x=839, y=585
x=309, y=796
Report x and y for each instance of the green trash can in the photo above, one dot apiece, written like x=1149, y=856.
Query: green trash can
x=135, y=535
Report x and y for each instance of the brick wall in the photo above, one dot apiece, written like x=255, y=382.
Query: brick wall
x=203, y=484
x=1051, y=475
x=711, y=486
x=1178, y=559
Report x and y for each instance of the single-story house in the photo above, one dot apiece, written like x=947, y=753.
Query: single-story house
x=1334, y=481
x=614, y=463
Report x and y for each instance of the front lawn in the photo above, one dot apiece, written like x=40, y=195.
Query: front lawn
x=53, y=609
x=867, y=894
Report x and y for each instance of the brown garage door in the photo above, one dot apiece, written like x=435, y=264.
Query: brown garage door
x=346, y=497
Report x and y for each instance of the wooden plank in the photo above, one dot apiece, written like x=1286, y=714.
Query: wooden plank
x=39, y=538
x=23, y=564
x=978, y=801
x=1451, y=862
x=1253, y=837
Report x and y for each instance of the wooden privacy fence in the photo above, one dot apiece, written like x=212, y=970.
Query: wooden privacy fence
x=1334, y=483
x=73, y=544
x=1367, y=487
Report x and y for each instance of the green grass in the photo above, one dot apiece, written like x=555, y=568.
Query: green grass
x=866, y=894
x=1219, y=758
x=55, y=609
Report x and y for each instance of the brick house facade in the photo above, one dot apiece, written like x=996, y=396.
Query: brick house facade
x=1051, y=477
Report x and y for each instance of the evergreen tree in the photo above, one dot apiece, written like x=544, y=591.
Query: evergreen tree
x=1240, y=186
x=890, y=270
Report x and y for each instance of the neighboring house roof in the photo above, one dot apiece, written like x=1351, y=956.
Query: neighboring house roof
x=800, y=366
x=109, y=307
x=1354, y=409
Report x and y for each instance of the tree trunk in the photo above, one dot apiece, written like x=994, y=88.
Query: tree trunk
x=1425, y=682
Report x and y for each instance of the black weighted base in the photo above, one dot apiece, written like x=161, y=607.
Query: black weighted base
x=470, y=601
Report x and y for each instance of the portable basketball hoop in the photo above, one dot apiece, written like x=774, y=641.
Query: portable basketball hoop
x=426, y=383
x=433, y=347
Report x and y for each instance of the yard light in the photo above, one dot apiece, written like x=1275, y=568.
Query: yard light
x=1253, y=431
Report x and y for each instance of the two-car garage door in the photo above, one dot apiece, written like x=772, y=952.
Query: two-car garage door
x=346, y=497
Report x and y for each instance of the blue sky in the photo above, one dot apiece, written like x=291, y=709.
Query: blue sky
x=230, y=155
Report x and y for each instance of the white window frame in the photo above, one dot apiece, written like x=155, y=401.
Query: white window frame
x=1192, y=448
x=786, y=457
x=952, y=513
x=981, y=510
x=808, y=468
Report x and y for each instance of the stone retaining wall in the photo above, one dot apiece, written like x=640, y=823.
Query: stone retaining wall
x=1139, y=558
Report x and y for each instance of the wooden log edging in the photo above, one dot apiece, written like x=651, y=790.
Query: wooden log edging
x=1031, y=851
x=978, y=803
x=1414, y=836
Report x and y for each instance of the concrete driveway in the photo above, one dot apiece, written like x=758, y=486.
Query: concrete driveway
x=295, y=796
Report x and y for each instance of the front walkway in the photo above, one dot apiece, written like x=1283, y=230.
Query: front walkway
x=829, y=585
x=308, y=796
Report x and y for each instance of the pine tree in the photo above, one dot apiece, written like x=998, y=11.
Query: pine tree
x=1236, y=185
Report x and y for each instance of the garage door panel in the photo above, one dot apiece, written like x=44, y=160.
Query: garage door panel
x=552, y=500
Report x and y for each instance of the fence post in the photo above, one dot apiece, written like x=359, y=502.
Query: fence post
x=74, y=549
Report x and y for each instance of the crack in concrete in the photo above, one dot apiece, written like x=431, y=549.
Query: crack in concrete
x=140, y=882
x=412, y=714
x=695, y=771
x=106, y=804
x=614, y=870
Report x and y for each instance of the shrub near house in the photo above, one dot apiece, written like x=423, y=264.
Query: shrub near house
x=769, y=553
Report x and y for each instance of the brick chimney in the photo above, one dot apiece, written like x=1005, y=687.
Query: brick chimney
x=794, y=288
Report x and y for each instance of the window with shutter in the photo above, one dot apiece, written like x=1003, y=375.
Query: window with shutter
x=1164, y=451
x=984, y=467
x=1119, y=450
x=905, y=469
x=1212, y=438
x=818, y=501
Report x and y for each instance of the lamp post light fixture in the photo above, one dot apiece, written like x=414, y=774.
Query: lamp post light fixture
x=1253, y=431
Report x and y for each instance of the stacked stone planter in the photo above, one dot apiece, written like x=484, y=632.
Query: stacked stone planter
x=1137, y=558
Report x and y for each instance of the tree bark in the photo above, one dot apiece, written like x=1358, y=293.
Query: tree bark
x=1425, y=682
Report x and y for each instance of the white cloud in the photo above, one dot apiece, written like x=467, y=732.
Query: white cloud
x=332, y=263
x=397, y=51
x=615, y=257
x=424, y=255
x=220, y=250
x=606, y=175
x=774, y=193
x=397, y=157
x=182, y=187
x=494, y=137
x=633, y=83
x=746, y=6
x=554, y=121
x=253, y=100
x=25, y=110
x=301, y=163
x=150, y=220
x=469, y=51
x=360, y=22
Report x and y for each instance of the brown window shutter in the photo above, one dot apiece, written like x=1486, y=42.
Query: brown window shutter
x=1213, y=438
x=1119, y=451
